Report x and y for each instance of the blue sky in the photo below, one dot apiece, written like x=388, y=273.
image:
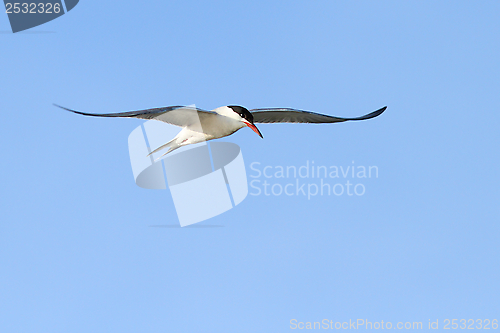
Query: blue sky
x=77, y=250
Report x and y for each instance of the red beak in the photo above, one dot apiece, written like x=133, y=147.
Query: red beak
x=254, y=128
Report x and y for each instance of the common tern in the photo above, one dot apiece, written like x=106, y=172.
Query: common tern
x=200, y=125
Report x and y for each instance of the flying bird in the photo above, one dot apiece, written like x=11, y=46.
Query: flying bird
x=200, y=125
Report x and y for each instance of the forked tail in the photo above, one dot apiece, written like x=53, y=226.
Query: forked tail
x=172, y=144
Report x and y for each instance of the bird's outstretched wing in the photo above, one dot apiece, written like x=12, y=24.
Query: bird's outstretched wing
x=286, y=115
x=183, y=116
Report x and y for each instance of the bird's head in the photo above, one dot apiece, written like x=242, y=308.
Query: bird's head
x=243, y=115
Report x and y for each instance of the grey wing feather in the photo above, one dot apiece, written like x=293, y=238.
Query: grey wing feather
x=175, y=115
x=286, y=115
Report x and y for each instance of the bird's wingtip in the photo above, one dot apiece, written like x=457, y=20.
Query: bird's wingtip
x=62, y=107
x=379, y=111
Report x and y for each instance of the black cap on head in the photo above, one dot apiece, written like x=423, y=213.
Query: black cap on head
x=244, y=113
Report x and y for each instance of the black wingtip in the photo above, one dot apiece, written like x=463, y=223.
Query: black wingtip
x=380, y=111
x=371, y=115
x=79, y=112
x=62, y=107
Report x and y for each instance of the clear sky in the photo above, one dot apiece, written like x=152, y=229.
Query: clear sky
x=79, y=250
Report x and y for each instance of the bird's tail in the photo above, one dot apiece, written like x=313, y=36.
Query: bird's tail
x=185, y=137
x=172, y=144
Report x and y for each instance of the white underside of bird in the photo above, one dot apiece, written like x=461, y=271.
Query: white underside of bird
x=214, y=126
